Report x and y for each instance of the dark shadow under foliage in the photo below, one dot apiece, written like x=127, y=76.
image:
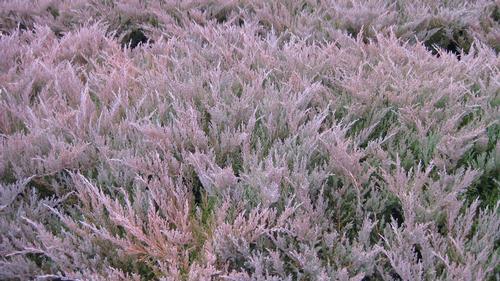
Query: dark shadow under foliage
x=135, y=38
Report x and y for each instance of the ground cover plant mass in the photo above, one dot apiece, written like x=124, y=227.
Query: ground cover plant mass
x=249, y=140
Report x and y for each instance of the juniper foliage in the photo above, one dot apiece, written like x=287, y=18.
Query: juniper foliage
x=249, y=140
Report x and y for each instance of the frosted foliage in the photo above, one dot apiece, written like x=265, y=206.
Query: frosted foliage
x=258, y=140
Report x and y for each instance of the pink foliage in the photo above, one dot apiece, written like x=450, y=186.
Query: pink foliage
x=249, y=140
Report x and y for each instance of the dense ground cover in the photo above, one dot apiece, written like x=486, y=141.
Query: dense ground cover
x=249, y=140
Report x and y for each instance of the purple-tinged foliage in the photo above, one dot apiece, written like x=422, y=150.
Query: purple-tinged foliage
x=249, y=140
